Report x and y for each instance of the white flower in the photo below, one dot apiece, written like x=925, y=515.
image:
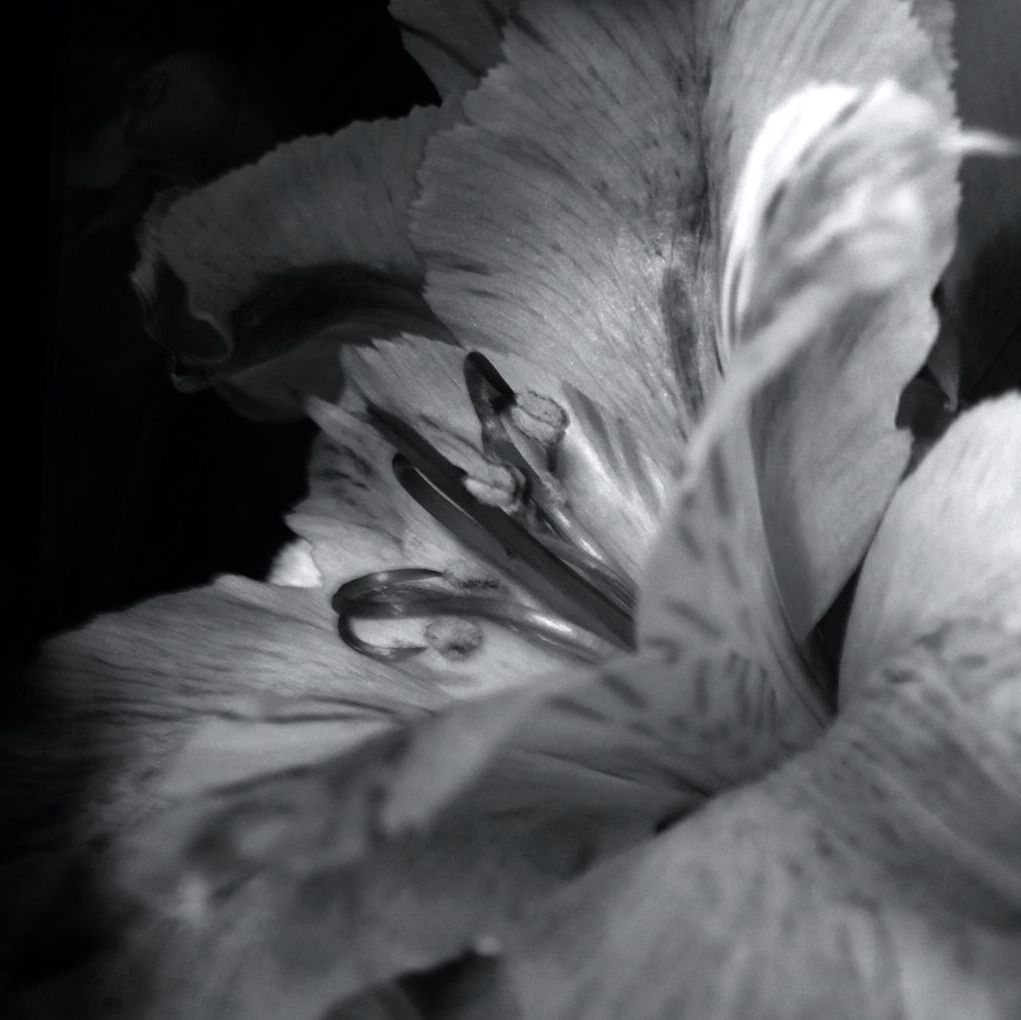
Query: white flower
x=696, y=244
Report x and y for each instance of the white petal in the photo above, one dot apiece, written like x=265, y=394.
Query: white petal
x=306, y=248
x=876, y=875
x=949, y=546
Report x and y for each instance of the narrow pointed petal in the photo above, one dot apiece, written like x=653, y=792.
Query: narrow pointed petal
x=287, y=259
x=455, y=41
x=738, y=564
x=875, y=875
x=950, y=544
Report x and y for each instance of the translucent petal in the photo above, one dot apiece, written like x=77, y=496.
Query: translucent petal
x=455, y=41
x=950, y=544
x=305, y=249
x=875, y=875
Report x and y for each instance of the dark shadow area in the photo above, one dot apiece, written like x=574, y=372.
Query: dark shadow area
x=125, y=486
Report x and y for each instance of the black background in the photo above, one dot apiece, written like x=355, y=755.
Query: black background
x=124, y=486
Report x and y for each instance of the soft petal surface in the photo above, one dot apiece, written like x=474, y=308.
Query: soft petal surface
x=290, y=256
x=290, y=901
x=876, y=875
x=455, y=41
x=949, y=546
x=114, y=703
x=719, y=568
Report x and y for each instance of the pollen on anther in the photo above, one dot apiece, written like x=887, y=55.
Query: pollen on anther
x=540, y=418
x=453, y=638
x=495, y=485
x=471, y=576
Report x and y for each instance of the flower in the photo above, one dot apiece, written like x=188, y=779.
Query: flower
x=712, y=276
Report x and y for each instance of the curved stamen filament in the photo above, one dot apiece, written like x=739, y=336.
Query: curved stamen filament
x=386, y=596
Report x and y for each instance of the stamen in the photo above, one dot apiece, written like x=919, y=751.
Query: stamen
x=401, y=595
x=506, y=544
x=553, y=557
x=540, y=418
x=454, y=639
x=495, y=402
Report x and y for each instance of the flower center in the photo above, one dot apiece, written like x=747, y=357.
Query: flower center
x=517, y=518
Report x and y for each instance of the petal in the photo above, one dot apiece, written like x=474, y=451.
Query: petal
x=949, y=546
x=737, y=565
x=580, y=209
x=875, y=875
x=289, y=887
x=108, y=709
x=291, y=256
x=455, y=41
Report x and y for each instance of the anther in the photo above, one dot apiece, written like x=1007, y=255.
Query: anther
x=539, y=418
x=455, y=639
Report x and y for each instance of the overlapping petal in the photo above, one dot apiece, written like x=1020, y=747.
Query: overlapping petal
x=588, y=206
x=878, y=873
x=288, y=258
x=455, y=41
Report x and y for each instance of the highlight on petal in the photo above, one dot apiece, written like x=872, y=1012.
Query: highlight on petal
x=455, y=41
x=299, y=886
x=815, y=257
x=950, y=544
x=875, y=875
x=287, y=259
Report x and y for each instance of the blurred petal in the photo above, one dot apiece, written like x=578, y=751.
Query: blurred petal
x=287, y=259
x=875, y=875
x=737, y=563
x=949, y=547
x=610, y=478
x=827, y=447
x=455, y=41
x=113, y=704
x=292, y=897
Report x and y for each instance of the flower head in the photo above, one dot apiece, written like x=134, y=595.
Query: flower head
x=576, y=515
